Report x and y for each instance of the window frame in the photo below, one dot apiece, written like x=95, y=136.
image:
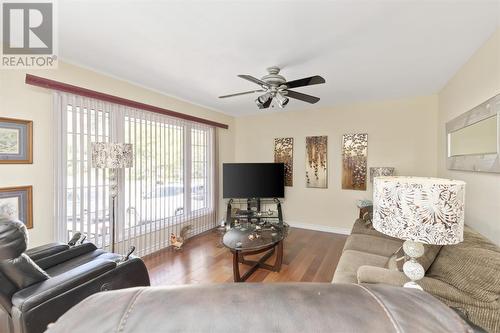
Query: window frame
x=202, y=219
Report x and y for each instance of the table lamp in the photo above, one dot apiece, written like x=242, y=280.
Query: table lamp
x=419, y=210
x=113, y=156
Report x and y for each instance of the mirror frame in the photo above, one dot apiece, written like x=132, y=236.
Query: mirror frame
x=476, y=162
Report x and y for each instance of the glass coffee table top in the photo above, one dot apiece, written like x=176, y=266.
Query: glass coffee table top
x=252, y=237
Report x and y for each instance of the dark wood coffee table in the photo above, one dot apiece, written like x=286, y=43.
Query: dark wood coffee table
x=248, y=239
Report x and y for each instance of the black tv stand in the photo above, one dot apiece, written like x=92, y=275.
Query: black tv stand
x=253, y=211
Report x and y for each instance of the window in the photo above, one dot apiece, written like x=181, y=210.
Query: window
x=199, y=169
x=169, y=186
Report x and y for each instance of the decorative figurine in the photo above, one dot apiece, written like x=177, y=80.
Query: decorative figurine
x=178, y=241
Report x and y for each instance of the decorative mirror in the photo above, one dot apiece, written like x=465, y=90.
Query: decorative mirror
x=473, y=139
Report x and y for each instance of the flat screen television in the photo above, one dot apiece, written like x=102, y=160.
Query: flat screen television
x=253, y=180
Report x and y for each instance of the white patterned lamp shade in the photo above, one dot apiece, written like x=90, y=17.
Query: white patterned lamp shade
x=425, y=210
x=112, y=155
x=380, y=172
x=419, y=210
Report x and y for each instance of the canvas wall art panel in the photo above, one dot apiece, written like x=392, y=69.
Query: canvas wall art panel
x=317, y=161
x=16, y=141
x=354, y=159
x=380, y=172
x=17, y=203
x=283, y=153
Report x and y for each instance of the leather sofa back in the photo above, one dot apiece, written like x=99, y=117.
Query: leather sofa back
x=13, y=238
x=251, y=307
x=17, y=270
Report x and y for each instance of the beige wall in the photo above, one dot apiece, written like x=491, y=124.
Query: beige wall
x=18, y=100
x=401, y=133
x=474, y=83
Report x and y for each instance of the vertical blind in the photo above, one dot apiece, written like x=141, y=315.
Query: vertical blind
x=169, y=187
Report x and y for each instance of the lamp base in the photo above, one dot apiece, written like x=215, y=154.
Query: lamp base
x=412, y=268
x=412, y=284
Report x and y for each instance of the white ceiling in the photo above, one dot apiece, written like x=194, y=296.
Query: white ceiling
x=193, y=50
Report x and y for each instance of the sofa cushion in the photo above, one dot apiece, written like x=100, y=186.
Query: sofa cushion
x=349, y=263
x=22, y=271
x=472, y=266
x=345, y=277
x=484, y=314
x=372, y=274
x=372, y=244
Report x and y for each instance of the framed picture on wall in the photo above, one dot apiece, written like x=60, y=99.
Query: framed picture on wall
x=283, y=153
x=16, y=141
x=17, y=203
x=317, y=161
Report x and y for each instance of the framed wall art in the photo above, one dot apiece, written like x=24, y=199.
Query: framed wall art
x=354, y=159
x=16, y=141
x=316, y=161
x=17, y=203
x=283, y=153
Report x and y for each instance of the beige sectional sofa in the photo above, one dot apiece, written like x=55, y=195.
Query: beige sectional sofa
x=465, y=276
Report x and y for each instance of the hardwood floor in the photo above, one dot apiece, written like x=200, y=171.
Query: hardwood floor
x=309, y=256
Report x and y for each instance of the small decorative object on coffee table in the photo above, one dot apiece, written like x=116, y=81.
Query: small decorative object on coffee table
x=419, y=210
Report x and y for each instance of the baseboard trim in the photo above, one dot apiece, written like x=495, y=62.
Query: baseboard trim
x=318, y=227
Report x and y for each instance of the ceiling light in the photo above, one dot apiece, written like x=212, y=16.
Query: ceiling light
x=261, y=100
x=282, y=100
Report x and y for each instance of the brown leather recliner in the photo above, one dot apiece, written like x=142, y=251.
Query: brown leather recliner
x=38, y=285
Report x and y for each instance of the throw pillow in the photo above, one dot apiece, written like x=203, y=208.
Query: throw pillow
x=22, y=271
x=398, y=258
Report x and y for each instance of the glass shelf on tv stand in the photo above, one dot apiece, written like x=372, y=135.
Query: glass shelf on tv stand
x=269, y=214
x=268, y=201
x=254, y=211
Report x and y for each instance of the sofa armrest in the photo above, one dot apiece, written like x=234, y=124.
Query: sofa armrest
x=70, y=253
x=46, y=250
x=372, y=274
x=36, y=294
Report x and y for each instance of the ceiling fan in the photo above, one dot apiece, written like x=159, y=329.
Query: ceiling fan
x=275, y=87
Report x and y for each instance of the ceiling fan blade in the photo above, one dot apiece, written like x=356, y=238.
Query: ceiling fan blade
x=307, y=81
x=241, y=93
x=302, y=97
x=254, y=80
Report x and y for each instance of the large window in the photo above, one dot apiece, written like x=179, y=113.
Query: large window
x=170, y=185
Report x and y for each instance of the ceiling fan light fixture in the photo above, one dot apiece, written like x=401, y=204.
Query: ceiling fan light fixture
x=282, y=100
x=277, y=89
x=261, y=100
